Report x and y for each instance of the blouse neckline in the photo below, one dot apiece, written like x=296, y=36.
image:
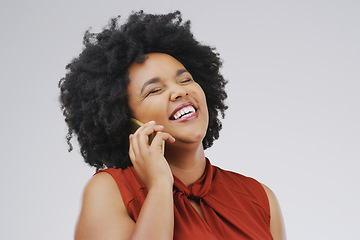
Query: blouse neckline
x=199, y=188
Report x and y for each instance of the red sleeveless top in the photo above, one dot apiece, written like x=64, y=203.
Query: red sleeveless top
x=234, y=206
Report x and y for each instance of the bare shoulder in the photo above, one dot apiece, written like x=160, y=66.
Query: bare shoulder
x=103, y=214
x=277, y=227
x=271, y=195
x=102, y=191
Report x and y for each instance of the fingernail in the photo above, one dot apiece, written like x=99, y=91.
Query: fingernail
x=151, y=122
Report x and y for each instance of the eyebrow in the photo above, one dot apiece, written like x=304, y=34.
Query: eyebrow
x=148, y=82
x=156, y=79
x=181, y=71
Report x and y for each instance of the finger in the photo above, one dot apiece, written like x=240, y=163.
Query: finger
x=147, y=130
x=167, y=137
x=131, y=150
x=160, y=137
x=142, y=136
x=150, y=132
x=134, y=142
x=139, y=133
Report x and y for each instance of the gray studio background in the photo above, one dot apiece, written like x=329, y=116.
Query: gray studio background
x=293, y=118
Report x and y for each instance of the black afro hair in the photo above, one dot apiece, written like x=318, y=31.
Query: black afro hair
x=93, y=92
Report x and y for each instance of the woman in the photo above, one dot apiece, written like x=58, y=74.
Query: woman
x=152, y=69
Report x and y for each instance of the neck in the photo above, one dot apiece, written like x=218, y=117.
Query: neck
x=187, y=161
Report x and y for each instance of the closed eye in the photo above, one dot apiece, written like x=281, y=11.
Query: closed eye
x=186, y=80
x=154, y=91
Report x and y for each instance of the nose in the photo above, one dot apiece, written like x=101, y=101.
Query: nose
x=177, y=92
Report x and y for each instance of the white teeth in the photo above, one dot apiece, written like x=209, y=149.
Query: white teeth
x=184, y=111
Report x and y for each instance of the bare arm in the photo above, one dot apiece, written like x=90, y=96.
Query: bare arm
x=277, y=227
x=104, y=215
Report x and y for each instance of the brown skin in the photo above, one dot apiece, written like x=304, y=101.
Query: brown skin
x=157, y=87
x=157, y=102
x=277, y=227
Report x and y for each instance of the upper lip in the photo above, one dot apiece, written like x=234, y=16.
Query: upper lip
x=180, y=107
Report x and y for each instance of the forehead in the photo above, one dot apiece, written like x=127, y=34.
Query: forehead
x=158, y=65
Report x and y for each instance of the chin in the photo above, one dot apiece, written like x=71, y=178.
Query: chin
x=193, y=137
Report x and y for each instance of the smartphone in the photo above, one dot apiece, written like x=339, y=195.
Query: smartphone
x=134, y=124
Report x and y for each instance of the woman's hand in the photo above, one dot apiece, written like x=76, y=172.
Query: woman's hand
x=104, y=214
x=149, y=163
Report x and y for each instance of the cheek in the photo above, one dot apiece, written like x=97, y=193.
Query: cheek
x=153, y=109
x=201, y=97
x=201, y=100
x=203, y=103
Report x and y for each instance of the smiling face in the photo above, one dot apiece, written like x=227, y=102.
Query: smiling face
x=161, y=89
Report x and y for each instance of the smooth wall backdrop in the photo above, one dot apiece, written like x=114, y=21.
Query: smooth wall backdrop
x=293, y=120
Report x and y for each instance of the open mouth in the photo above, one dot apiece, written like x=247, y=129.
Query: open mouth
x=183, y=111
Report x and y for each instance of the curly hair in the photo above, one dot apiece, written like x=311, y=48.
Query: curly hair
x=93, y=93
